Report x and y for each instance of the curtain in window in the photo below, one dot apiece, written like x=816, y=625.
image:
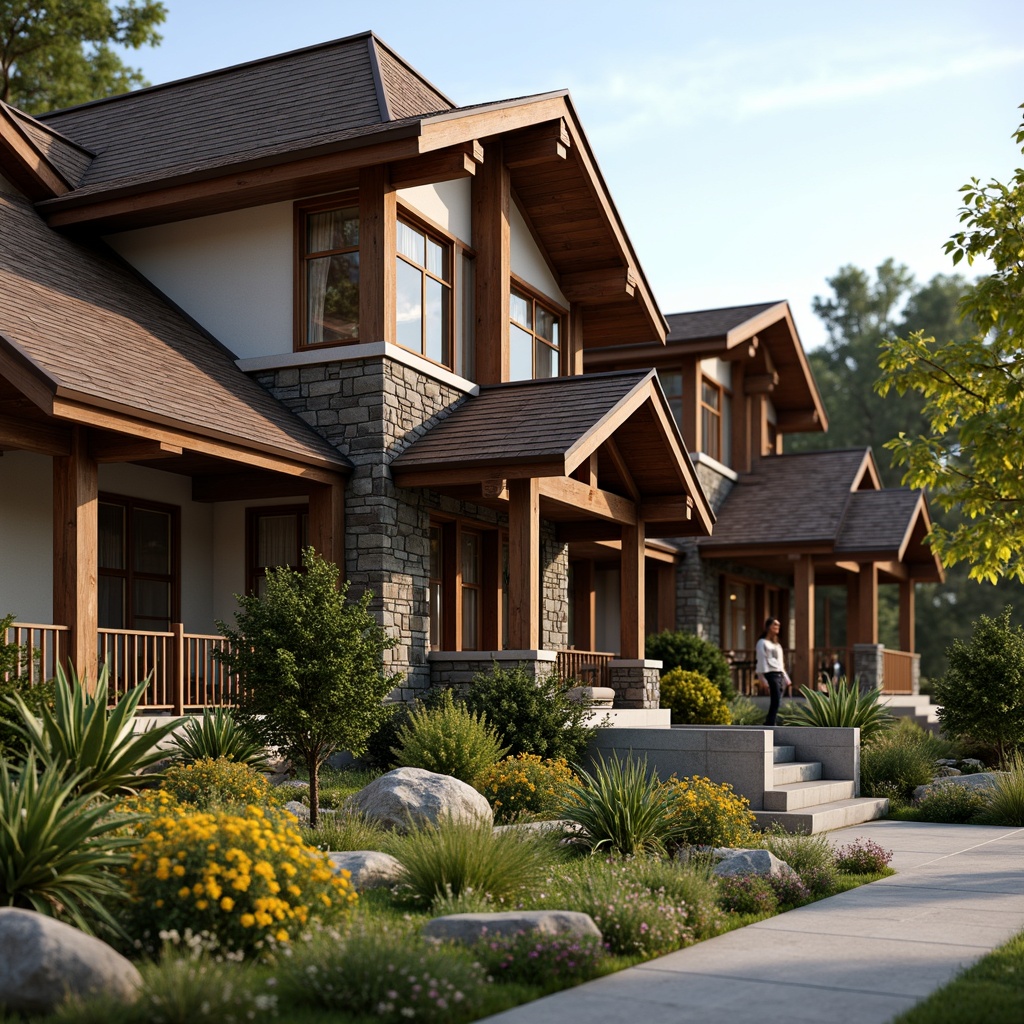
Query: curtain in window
x=321, y=230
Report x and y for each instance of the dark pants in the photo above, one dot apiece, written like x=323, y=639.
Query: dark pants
x=775, y=684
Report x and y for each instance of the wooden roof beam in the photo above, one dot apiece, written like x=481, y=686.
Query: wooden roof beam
x=131, y=450
x=444, y=165
x=794, y=423
x=760, y=383
x=38, y=438
x=25, y=165
x=539, y=145
x=592, y=287
x=621, y=468
x=592, y=501
x=676, y=507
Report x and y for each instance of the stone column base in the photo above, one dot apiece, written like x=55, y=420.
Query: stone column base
x=868, y=660
x=457, y=668
x=637, y=684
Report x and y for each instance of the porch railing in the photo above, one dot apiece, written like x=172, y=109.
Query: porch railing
x=43, y=647
x=898, y=671
x=589, y=668
x=897, y=668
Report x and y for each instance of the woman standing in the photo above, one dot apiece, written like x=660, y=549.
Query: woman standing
x=771, y=669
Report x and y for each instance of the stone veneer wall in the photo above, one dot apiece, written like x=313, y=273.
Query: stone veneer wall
x=372, y=409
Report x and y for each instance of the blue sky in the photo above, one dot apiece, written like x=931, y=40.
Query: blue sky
x=751, y=148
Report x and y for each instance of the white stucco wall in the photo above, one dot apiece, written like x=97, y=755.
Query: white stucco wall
x=718, y=370
x=527, y=261
x=448, y=204
x=231, y=272
x=26, y=529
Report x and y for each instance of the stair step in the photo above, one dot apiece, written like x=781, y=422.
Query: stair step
x=784, y=753
x=797, y=795
x=825, y=817
x=795, y=771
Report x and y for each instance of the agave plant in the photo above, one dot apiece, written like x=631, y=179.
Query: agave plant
x=85, y=741
x=57, y=853
x=218, y=735
x=845, y=706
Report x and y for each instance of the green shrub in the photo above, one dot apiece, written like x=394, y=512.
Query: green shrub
x=951, y=803
x=711, y=813
x=894, y=763
x=747, y=894
x=214, y=783
x=549, y=961
x=379, y=744
x=810, y=856
x=693, y=699
x=346, y=830
x=15, y=683
x=526, y=784
x=743, y=711
x=862, y=857
x=216, y=734
x=623, y=808
x=1006, y=799
x=790, y=889
x=692, y=654
x=690, y=884
x=533, y=716
x=452, y=858
x=449, y=740
x=843, y=707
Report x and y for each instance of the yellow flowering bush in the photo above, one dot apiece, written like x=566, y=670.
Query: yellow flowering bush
x=216, y=782
x=527, y=784
x=716, y=815
x=242, y=879
x=693, y=699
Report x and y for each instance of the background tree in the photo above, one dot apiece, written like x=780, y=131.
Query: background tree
x=311, y=664
x=972, y=453
x=60, y=53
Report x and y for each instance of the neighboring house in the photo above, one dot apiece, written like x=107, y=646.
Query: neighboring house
x=309, y=299
x=787, y=526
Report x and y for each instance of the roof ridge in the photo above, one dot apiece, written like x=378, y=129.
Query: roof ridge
x=725, y=309
x=378, y=81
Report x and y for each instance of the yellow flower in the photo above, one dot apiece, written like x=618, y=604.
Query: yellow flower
x=247, y=920
x=227, y=904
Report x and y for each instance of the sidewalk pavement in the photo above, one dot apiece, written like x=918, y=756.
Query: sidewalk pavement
x=857, y=958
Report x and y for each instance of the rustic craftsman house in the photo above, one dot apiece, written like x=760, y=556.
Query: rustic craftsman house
x=787, y=526
x=309, y=299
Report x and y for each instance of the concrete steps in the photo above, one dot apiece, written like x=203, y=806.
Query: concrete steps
x=916, y=706
x=825, y=817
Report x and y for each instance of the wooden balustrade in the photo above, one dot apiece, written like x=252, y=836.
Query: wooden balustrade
x=43, y=649
x=898, y=671
x=588, y=668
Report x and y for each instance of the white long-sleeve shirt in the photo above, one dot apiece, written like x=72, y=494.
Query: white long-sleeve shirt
x=769, y=657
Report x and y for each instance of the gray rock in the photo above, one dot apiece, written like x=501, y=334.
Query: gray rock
x=409, y=797
x=300, y=810
x=981, y=781
x=296, y=784
x=752, y=862
x=558, y=825
x=947, y=772
x=469, y=928
x=370, y=869
x=595, y=696
x=43, y=961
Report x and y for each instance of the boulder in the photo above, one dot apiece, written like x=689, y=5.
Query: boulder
x=470, y=928
x=409, y=797
x=594, y=696
x=752, y=862
x=297, y=784
x=980, y=781
x=369, y=869
x=43, y=961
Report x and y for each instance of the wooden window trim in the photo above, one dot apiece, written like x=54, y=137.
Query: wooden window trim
x=561, y=313
x=300, y=211
x=718, y=414
x=252, y=514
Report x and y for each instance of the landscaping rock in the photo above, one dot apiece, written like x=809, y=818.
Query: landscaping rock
x=595, y=696
x=979, y=781
x=470, y=928
x=752, y=862
x=43, y=961
x=562, y=825
x=947, y=772
x=301, y=811
x=296, y=784
x=409, y=797
x=370, y=869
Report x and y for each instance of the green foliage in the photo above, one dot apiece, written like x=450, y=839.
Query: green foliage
x=549, y=961
x=312, y=665
x=982, y=694
x=693, y=699
x=377, y=754
x=15, y=683
x=346, y=830
x=64, y=52
x=449, y=740
x=743, y=711
x=897, y=761
x=711, y=812
x=533, y=716
x=84, y=740
x=693, y=654
x=973, y=392
x=217, y=734
x=58, y=855
x=1005, y=803
x=862, y=857
x=952, y=803
x=526, y=784
x=211, y=783
x=845, y=706
x=456, y=857
x=810, y=856
x=623, y=808
x=747, y=894
x=690, y=884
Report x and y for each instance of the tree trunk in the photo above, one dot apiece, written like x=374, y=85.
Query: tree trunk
x=313, y=766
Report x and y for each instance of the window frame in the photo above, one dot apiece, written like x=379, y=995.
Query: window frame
x=559, y=312
x=718, y=418
x=302, y=211
x=252, y=514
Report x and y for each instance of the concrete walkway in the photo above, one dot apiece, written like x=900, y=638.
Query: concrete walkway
x=858, y=958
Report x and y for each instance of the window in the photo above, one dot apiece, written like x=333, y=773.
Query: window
x=535, y=338
x=328, y=272
x=424, y=293
x=716, y=421
x=462, y=586
x=470, y=565
x=138, y=564
x=672, y=385
x=276, y=537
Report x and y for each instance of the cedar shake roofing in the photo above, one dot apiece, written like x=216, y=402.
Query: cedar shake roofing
x=308, y=97
x=712, y=323
x=97, y=333
x=878, y=520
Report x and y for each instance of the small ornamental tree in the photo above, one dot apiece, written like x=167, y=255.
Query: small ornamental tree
x=311, y=664
x=982, y=694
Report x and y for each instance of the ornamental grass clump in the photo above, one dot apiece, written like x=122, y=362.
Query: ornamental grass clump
x=952, y=803
x=211, y=783
x=527, y=785
x=693, y=699
x=216, y=734
x=862, y=857
x=346, y=830
x=1006, y=799
x=713, y=814
x=548, y=961
x=242, y=879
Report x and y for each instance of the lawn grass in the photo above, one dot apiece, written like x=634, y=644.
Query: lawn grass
x=990, y=992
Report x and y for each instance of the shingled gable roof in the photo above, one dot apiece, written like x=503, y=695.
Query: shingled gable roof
x=714, y=323
x=78, y=326
x=547, y=428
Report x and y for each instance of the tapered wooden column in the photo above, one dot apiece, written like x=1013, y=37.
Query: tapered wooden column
x=327, y=523
x=868, y=610
x=584, y=603
x=492, y=234
x=907, y=611
x=75, y=538
x=631, y=613
x=803, y=650
x=524, y=564
x=378, y=226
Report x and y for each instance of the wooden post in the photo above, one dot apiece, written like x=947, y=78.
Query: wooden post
x=327, y=523
x=803, y=650
x=852, y=613
x=492, y=234
x=524, y=564
x=690, y=427
x=631, y=611
x=584, y=605
x=378, y=227
x=179, y=667
x=907, y=613
x=868, y=610
x=75, y=538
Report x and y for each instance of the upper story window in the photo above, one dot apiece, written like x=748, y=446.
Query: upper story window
x=328, y=272
x=672, y=385
x=535, y=337
x=424, y=293
x=715, y=420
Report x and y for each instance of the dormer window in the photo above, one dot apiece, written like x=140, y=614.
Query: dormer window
x=535, y=337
